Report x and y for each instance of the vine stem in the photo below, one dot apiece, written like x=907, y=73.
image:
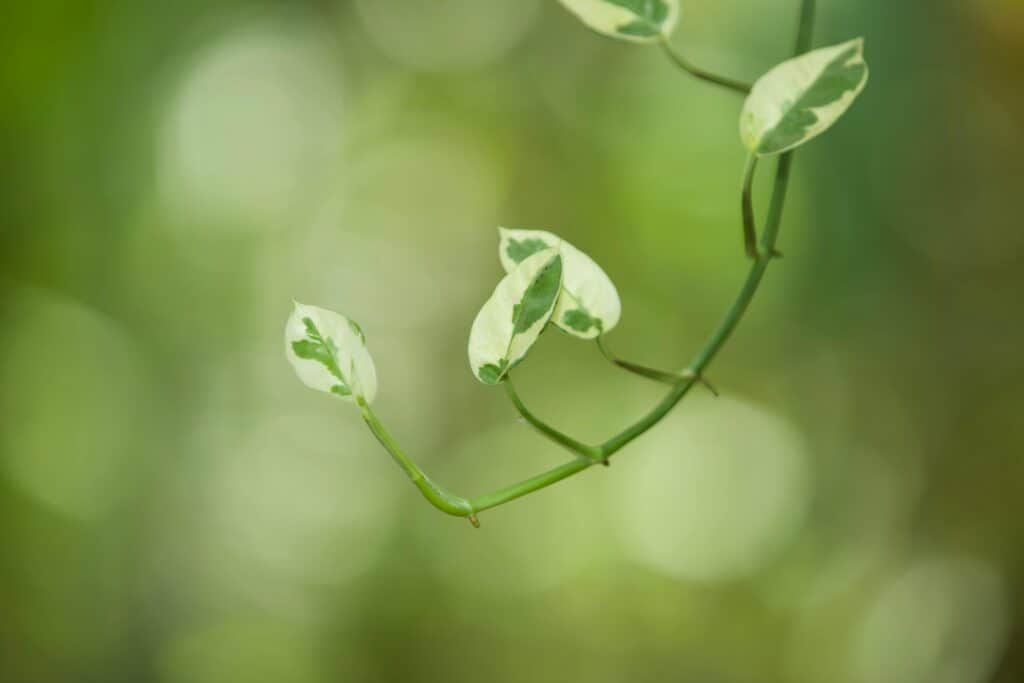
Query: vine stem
x=662, y=376
x=747, y=205
x=685, y=65
x=549, y=431
x=591, y=455
x=437, y=495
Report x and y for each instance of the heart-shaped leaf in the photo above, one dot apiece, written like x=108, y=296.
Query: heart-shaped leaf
x=800, y=98
x=328, y=353
x=589, y=303
x=515, y=315
x=640, y=21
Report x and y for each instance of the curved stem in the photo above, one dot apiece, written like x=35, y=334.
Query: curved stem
x=685, y=65
x=714, y=343
x=535, y=483
x=546, y=429
x=704, y=357
x=439, y=497
x=461, y=507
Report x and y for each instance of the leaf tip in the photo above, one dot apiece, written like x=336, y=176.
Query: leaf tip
x=299, y=307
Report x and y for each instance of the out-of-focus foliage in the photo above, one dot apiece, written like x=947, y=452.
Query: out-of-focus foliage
x=176, y=508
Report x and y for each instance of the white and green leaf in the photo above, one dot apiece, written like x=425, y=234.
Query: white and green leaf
x=801, y=98
x=639, y=21
x=513, y=318
x=588, y=304
x=328, y=353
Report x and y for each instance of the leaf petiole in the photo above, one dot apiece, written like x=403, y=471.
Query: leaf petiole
x=747, y=205
x=685, y=65
x=662, y=376
x=547, y=430
x=437, y=495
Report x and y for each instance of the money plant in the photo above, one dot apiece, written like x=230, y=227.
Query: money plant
x=550, y=282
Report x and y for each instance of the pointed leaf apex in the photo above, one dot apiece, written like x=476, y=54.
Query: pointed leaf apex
x=328, y=353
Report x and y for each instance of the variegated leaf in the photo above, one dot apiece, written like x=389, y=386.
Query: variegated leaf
x=640, y=21
x=801, y=98
x=515, y=315
x=328, y=353
x=589, y=303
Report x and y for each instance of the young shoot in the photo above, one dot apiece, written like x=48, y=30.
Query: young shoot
x=549, y=282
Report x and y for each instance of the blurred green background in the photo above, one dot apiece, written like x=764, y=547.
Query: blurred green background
x=176, y=507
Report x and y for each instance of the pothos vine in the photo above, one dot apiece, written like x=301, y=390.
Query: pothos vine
x=551, y=282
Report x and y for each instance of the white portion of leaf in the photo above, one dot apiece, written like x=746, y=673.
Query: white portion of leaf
x=640, y=21
x=328, y=352
x=589, y=304
x=801, y=98
x=501, y=334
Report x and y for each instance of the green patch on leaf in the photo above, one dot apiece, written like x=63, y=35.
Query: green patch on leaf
x=641, y=29
x=639, y=21
x=580, y=320
x=586, y=288
x=836, y=80
x=520, y=250
x=491, y=373
x=316, y=348
x=802, y=97
x=511, y=320
x=651, y=15
x=538, y=298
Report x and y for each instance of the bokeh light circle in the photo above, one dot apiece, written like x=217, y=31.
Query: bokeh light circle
x=714, y=491
x=73, y=391
x=252, y=129
x=298, y=497
x=942, y=620
x=544, y=541
x=449, y=35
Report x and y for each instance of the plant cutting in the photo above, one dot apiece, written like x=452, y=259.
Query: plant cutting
x=549, y=282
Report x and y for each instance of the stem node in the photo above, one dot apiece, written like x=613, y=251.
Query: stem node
x=703, y=381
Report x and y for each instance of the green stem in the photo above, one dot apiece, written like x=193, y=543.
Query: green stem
x=438, y=496
x=703, y=359
x=535, y=483
x=546, y=429
x=663, y=376
x=685, y=65
x=805, y=28
x=747, y=201
x=454, y=505
x=714, y=343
